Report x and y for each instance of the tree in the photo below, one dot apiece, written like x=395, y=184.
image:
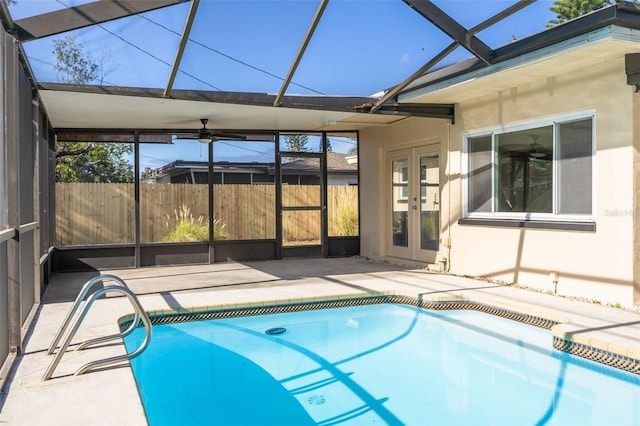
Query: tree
x=83, y=161
x=297, y=143
x=566, y=10
x=89, y=162
x=72, y=65
x=105, y=66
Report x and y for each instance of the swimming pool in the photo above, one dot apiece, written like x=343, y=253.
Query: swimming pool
x=373, y=364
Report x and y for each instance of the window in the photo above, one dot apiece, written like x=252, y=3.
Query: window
x=401, y=178
x=542, y=171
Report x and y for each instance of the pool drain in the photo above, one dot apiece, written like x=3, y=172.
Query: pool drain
x=275, y=331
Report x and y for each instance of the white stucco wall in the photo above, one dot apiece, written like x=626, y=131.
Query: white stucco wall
x=595, y=265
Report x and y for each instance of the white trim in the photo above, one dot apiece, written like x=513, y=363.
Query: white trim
x=554, y=167
x=526, y=125
x=530, y=123
x=46, y=256
x=7, y=234
x=28, y=227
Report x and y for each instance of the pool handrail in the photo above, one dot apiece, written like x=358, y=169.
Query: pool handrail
x=76, y=305
x=76, y=324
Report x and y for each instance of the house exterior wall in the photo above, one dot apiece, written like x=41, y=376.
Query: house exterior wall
x=342, y=180
x=595, y=265
x=636, y=199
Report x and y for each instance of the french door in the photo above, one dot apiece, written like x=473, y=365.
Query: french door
x=414, y=204
x=303, y=207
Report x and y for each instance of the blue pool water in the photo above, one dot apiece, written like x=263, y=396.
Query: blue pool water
x=373, y=365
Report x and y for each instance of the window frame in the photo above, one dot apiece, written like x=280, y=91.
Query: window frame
x=554, y=216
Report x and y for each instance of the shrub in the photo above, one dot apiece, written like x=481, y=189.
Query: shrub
x=189, y=229
x=346, y=223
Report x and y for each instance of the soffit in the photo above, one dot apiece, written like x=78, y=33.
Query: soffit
x=571, y=56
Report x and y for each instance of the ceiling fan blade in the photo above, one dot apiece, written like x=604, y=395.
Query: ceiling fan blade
x=186, y=136
x=514, y=147
x=218, y=136
x=249, y=137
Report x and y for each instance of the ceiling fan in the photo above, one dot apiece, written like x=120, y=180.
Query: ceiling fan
x=205, y=135
x=520, y=149
x=537, y=151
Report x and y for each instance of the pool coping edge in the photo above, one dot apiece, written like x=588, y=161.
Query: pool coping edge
x=592, y=349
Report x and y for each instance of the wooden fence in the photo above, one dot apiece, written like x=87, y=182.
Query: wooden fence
x=103, y=213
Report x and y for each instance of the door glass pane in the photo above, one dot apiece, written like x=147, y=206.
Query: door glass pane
x=301, y=142
x=301, y=190
x=400, y=202
x=301, y=227
x=300, y=182
x=429, y=203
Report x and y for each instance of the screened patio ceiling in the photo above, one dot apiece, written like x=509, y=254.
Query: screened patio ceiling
x=312, y=65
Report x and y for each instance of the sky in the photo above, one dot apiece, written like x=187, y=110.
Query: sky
x=359, y=48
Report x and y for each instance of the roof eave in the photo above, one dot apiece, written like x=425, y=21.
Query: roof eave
x=625, y=15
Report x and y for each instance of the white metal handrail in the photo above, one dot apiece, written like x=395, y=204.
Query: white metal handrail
x=76, y=305
x=140, y=315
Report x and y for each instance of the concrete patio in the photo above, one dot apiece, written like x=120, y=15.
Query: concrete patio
x=109, y=396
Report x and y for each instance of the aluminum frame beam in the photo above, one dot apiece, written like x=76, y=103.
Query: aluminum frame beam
x=303, y=47
x=449, y=49
x=452, y=28
x=626, y=15
x=183, y=43
x=423, y=69
x=73, y=18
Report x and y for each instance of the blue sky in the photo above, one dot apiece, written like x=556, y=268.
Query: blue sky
x=359, y=48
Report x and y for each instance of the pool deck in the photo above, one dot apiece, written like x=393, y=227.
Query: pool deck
x=109, y=396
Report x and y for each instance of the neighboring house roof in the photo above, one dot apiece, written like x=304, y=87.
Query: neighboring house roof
x=180, y=166
x=337, y=164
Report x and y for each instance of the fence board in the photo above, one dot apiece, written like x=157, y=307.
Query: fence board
x=103, y=213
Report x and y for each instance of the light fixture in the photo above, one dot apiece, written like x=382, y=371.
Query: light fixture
x=533, y=152
x=204, y=134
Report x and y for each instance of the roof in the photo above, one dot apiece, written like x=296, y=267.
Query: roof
x=602, y=35
x=428, y=91
x=337, y=163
